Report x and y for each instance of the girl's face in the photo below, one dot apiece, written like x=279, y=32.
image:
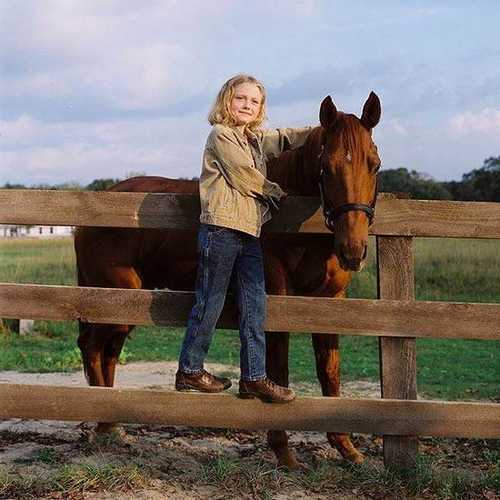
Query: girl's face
x=246, y=103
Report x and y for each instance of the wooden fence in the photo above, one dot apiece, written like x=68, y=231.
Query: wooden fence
x=396, y=318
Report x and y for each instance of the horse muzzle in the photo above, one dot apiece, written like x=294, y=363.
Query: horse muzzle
x=352, y=257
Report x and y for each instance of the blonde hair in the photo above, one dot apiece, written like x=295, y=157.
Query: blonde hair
x=221, y=110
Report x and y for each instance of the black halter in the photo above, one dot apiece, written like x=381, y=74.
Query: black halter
x=330, y=213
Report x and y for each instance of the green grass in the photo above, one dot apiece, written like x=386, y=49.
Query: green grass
x=71, y=481
x=48, y=262
x=455, y=270
x=114, y=471
x=452, y=270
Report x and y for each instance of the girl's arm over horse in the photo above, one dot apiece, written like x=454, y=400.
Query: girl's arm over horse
x=275, y=141
x=237, y=166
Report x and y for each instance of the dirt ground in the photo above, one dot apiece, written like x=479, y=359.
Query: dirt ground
x=185, y=463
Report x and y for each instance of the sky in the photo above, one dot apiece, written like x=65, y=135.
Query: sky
x=108, y=88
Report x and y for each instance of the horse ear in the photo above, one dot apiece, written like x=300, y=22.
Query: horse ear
x=327, y=113
x=371, y=111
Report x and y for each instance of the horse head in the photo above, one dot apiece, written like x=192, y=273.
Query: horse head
x=348, y=181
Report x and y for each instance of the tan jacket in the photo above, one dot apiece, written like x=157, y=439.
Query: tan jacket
x=234, y=191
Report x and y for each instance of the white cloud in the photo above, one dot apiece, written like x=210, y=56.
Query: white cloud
x=485, y=121
x=37, y=152
x=130, y=56
x=395, y=126
x=88, y=85
x=134, y=56
x=304, y=7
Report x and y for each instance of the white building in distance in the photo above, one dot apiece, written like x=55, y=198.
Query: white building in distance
x=15, y=231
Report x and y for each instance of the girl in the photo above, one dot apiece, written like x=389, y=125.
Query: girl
x=235, y=202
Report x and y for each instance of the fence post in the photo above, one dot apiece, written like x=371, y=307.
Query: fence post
x=398, y=374
x=26, y=326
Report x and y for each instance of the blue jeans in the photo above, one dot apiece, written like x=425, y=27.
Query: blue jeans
x=223, y=252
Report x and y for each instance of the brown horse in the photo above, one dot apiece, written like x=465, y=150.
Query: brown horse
x=339, y=161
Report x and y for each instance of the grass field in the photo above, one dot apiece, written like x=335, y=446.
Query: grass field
x=452, y=270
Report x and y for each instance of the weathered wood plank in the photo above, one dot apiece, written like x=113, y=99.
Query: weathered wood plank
x=298, y=214
x=295, y=314
x=398, y=357
x=100, y=208
x=370, y=416
x=441, y=219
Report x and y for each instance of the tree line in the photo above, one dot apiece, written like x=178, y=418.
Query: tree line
x=95, y=185
x=480, y=184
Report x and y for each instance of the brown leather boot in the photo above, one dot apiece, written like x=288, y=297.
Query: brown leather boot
x=266, y=390
x=204, y=382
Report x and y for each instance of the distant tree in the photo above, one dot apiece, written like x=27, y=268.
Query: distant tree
x=69, y=186
x=480, y=184
x=485, y=180
x=419, y=186
x=461, y=191
x=8, y=185
x=101, y=184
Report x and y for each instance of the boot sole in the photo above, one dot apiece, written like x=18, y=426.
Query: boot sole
x=188, y=388
x=247, y=395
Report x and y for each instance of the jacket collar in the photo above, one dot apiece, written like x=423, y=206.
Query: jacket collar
x=246, y=134
x=251, y=137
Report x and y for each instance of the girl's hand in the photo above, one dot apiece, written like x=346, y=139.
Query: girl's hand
x=275, y=201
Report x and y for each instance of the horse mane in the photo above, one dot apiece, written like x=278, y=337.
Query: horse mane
x=297, y=170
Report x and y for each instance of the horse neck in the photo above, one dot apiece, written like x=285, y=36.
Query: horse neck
x=297, y=171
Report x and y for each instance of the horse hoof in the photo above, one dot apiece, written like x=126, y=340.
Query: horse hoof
x=118, y=436
x=105, y=428
x=355, y=457
x=88, y=436
x=105, y=435
x=290, y=462
x=304, y=467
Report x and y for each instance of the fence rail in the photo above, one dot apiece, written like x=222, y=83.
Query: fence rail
x=389, y=417
x=389, y=318
x=396, y=318
x=394, y=217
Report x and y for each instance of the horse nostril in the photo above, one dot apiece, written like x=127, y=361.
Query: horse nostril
x=353, y=264
x=352, y=258
x=355, y=253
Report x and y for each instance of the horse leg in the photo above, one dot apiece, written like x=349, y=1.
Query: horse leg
x=101, y=344
x=112, y=350
x=111, y=353
x=277, y=361
x=91, y=344
x=326, y=351
x=277, y=371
